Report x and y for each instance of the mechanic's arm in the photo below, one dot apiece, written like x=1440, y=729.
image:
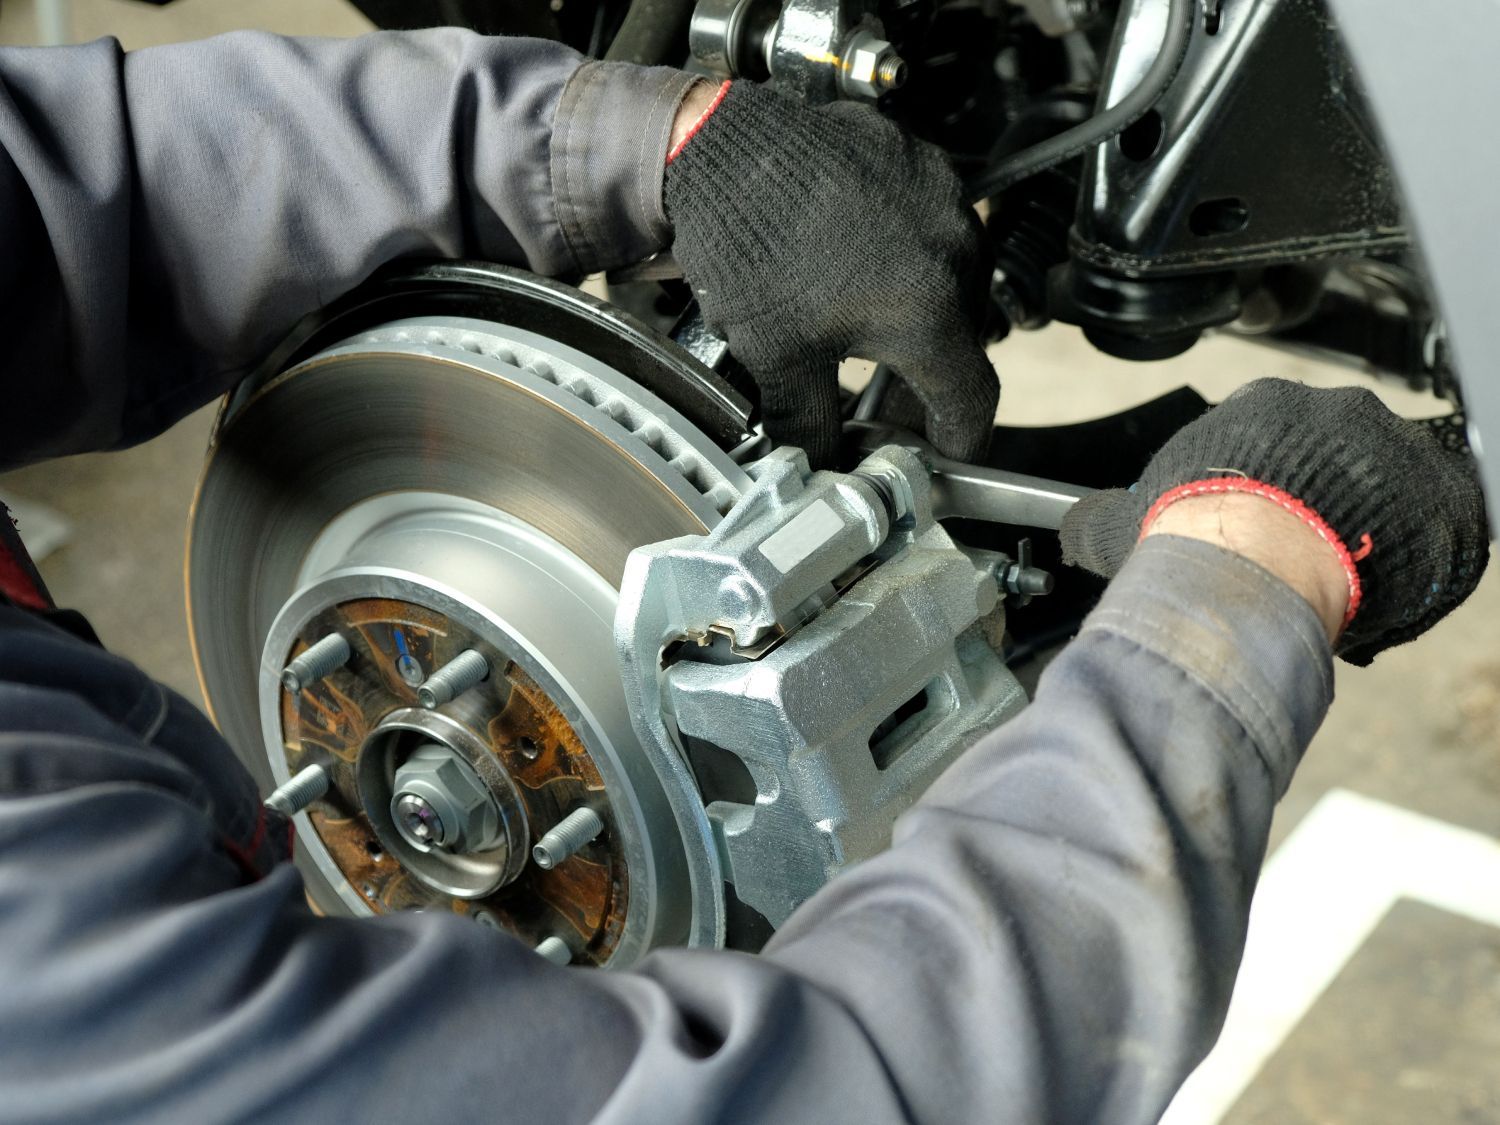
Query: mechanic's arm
x=1052, y=937
x=167, y=215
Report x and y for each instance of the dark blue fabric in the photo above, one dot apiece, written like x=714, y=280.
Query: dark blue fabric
x=1052, y=937
x=167, y=215
x=56, y=686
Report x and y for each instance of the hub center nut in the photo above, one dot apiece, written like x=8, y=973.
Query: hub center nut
x=417, y=820
x=438, y=801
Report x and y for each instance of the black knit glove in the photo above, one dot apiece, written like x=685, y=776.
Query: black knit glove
x=1405, y=515
x=814, y=233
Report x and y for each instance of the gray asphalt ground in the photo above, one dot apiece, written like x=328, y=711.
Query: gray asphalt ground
x=1409, y=1030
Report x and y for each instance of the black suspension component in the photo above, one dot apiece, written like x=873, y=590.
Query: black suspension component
x=1028, y=228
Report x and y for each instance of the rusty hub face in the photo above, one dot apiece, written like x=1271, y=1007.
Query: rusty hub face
x=511, y=731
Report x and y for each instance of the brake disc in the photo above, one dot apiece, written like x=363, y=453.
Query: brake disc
x=437, y=489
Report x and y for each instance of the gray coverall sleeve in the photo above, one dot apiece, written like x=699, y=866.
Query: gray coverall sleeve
x=167, y=215
x=1052, y=937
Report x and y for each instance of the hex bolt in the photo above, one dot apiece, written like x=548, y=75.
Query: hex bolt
x=555, y=950
x=302, y=790
x=566, y=837
x=453, y=679
x=315, y=662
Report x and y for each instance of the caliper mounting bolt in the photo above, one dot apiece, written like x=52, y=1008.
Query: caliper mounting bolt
x=315, y=662
x=305, y=787
x=453, y=679
x=555, y=950
x=566, y=837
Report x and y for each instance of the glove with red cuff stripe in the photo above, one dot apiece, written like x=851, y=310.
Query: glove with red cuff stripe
x=1404, y=516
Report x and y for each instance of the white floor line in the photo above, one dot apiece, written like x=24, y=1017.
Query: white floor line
x=1320, y=896
x=42, y=529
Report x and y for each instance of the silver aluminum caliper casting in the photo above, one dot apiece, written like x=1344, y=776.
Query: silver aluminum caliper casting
x=787, y=639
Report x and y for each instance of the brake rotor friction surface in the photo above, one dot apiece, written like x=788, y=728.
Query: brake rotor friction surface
x=329, y=722
x=491, y=420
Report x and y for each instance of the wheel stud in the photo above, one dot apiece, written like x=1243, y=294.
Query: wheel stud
x=299, y=792
x=453, y=679
x=566, y=837
x=555, y=950
x=315, y=662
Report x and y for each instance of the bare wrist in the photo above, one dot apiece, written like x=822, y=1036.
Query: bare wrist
x=696, y=105
x=1274, y=539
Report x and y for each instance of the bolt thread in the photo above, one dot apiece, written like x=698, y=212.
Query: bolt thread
x=891, y=73
x=453, y=679
x=315, y=662
x=566, y=837
x=555, y=950
x=302, y=790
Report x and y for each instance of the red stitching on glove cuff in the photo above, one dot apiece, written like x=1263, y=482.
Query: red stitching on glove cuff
x=244, y=854
x=1221, y=485
x=19, y=579
x=696, y=125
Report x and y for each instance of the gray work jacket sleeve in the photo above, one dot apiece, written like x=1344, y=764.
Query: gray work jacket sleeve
x=1052, y=937
x=167, y=215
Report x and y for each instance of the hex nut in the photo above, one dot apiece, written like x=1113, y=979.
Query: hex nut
x=464, y=804
x=870, y=68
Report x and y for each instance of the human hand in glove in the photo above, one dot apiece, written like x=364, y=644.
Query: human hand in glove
x=812, y=233
x=1402, y=517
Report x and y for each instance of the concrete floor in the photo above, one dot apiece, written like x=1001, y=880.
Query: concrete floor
x=1409, y=1030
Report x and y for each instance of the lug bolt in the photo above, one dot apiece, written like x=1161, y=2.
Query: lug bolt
x=566, y=837
x=316, y=662
x=453, y=679
x=300, y=791
x=555, y=950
